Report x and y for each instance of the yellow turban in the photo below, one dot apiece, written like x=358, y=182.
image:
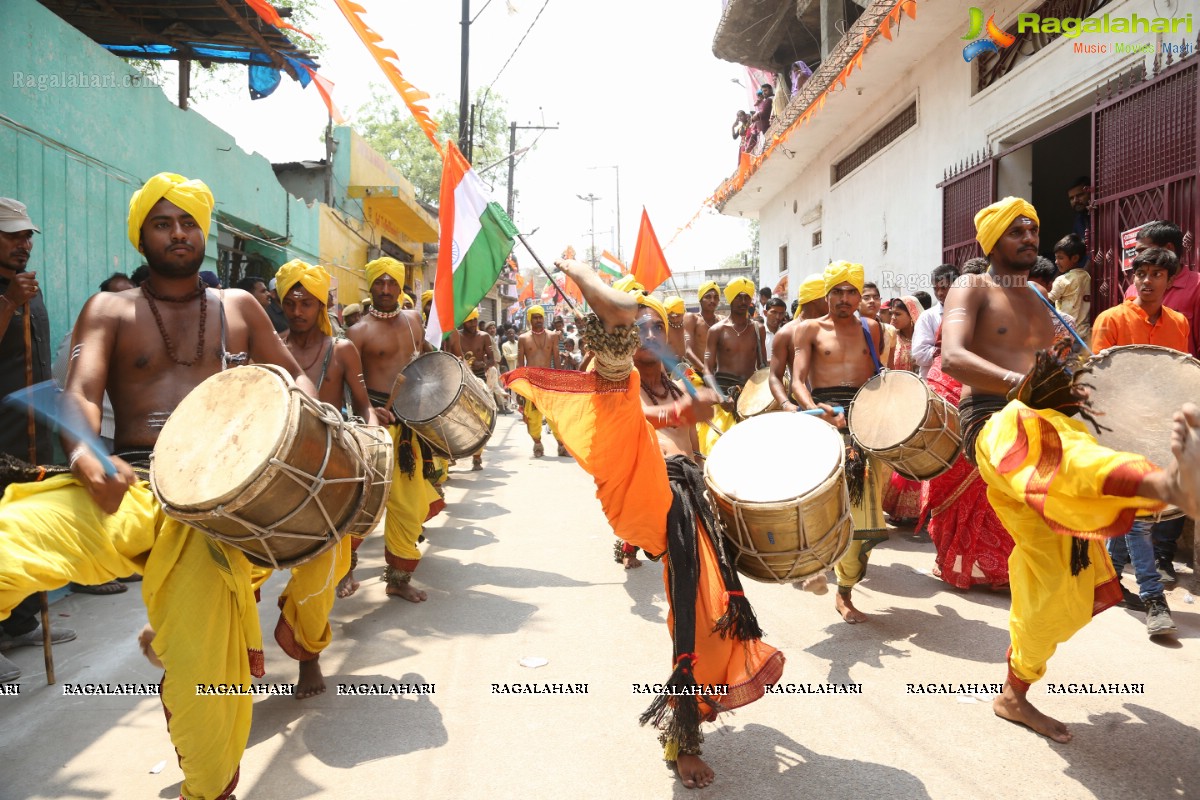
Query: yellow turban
x=813, y=288
x=674, y=305
x=993, y=221
x=738, y=286
x=426, y=296
x=653, y=303
x=313, y=278
x=535, y=311
x=844, y=272
x=473, y=315
x=627, y=282
x=706, y=287
x=406, y=300
x=192, y=196
x=385, y=266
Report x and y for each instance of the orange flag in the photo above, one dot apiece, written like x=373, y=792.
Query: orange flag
x=649, y=265
x=325, y=89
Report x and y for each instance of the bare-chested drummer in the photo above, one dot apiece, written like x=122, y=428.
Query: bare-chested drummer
x=697, y=325
x=389, y=339
x=538, y=347
x=812, y=305
x=476, y=348
x=736, y=345
x=835, y=355
x=1056, y=490
x=149, y=347
x=332, y=364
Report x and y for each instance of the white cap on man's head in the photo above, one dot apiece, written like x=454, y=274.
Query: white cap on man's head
x=14, y=217
x=271, y=285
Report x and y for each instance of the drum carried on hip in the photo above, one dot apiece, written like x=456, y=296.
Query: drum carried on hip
x=788, y=518
x=252, y=460
x=1135, y=414
x=902, y=422
x=756, y=397
x=446, y=405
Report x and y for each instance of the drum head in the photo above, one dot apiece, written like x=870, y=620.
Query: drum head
x=220, y=438
x=756, y=395
x=888, y=409
x=1135, y=391
x=431, y=383
x=756, y=461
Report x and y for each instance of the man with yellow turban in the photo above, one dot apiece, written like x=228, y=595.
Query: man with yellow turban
x=334, y=366
x=389, y=339
x=149, y=347
x=1057, y=491
x=633, y=430
x=830, y=365
x=676, y=336
x=475, y=348
x=538, y=348
x=810, y=304
x=736, y=348
x=697, y=325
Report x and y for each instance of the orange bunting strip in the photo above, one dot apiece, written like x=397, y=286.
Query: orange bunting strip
x=748, y=165
x=325, y=89
x=411, y=95
x=270, y=15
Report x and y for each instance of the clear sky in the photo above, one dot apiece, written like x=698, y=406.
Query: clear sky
x=632, y=83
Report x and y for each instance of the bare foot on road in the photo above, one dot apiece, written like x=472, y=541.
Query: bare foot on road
x=631, y=561
x=311, y=682
x=348, y=585
x=846, y=608
x=406, y=591
x=693, y=772
x=1014, y=707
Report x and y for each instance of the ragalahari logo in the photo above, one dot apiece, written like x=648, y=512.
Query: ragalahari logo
x=990, y=42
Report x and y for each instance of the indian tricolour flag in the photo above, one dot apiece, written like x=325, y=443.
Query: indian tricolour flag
x=476, y=237
x=609, y=265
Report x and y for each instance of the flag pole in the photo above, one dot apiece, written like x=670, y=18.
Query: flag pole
x=545, y=271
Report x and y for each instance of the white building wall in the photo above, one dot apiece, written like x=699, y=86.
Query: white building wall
x=887, y=215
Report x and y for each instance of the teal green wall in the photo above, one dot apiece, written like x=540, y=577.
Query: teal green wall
x=76, y=155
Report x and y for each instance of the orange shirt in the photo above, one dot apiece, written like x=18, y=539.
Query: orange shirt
x=1128, y=324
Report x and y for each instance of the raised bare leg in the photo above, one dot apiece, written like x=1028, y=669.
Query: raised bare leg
x=1012, y=705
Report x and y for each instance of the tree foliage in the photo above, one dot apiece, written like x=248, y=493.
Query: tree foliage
x=388, y=127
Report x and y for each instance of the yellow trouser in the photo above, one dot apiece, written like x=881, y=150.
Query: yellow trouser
x=408, y=506
x=1048, y=479
x=533, y=422
x=303, y=628
x=197, y=594
x=870, y=528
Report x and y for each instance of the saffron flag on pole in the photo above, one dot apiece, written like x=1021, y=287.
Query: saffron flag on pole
x=649, y=265
x=611, y=266
x=474, y=241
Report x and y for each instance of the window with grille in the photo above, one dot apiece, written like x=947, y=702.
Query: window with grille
x=783, y=264
x=889, y=132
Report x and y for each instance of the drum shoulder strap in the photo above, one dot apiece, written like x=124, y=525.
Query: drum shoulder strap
x=866, y=326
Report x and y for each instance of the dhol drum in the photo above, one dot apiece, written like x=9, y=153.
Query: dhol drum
x=446, y=405
x=902, y=422
x=379, y=455
x=1135, y=391
x=255, y=462
x=756, y=397
x=788, y=518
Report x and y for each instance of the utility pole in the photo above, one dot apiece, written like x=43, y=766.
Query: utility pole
x=617, y=167
x=512, y=155
x=591, y=199
x=463, y=90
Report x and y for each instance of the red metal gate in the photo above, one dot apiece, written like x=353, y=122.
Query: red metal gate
x=963, y=195
x=1144, y=151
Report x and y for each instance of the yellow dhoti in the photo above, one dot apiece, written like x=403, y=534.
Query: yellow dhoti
x=411, y=501
x=1049, y=481
x=303, y=629
x=533, y=422
x=198, y=599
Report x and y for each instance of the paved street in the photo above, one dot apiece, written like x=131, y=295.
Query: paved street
x=521, y=567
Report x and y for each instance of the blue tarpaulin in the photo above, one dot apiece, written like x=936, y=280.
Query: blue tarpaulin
x=264, y=77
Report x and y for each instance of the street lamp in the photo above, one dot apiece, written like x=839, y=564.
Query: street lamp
x=617, y=167
x=591, y=199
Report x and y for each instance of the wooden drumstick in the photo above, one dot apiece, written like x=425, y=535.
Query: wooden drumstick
x=396, y=385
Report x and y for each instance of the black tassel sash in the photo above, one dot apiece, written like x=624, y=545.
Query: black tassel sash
x=405, y=459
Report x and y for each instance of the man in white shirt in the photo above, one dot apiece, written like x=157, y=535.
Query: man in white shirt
x=924, y=340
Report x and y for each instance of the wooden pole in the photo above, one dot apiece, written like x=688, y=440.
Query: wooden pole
x=31, y=432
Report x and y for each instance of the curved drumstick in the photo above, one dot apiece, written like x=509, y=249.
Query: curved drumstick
x=1054, y=310
x=51, y=405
